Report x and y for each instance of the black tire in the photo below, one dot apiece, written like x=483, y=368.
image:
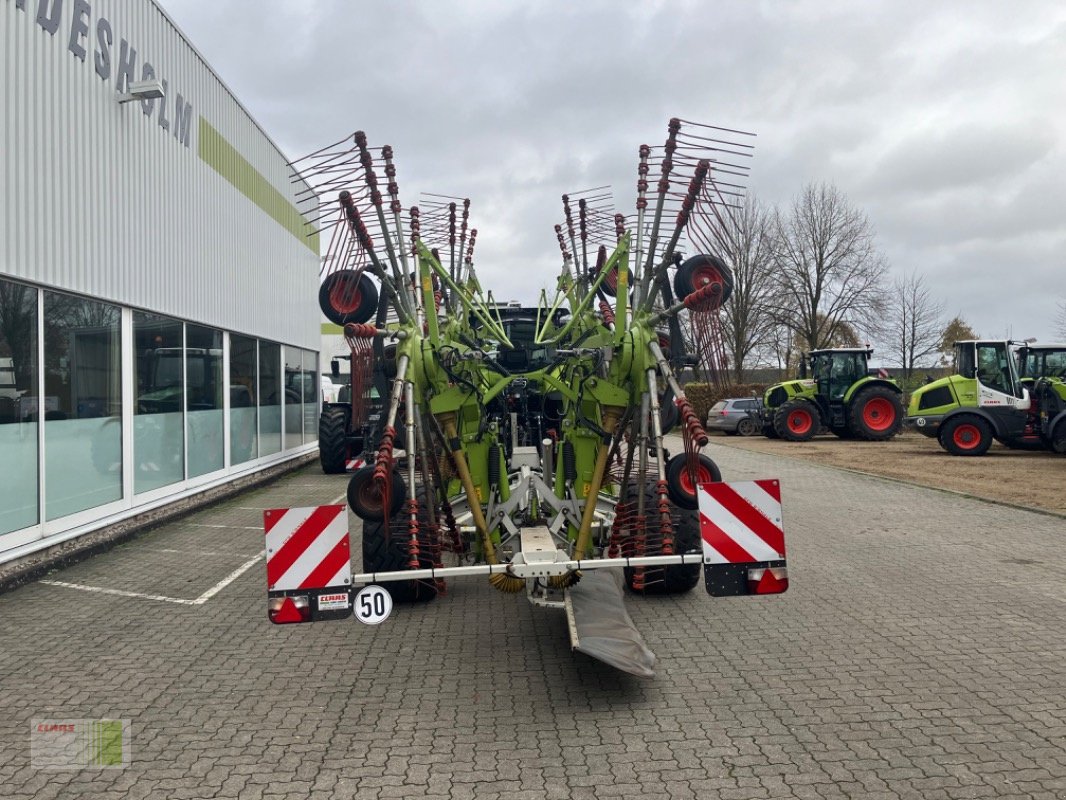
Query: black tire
x=965, y=435
x=677, y=578
x=363, y=497
x=699, y=271
x=679, y=482
x=769, y=432
x=669, y=416
x=797, y=421
x=388, y=552
x=348, y=296
x=875, y=414
x=747, y=427
x=609, y=284
x=332, y=435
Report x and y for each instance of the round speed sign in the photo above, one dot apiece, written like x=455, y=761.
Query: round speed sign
x=373, y=605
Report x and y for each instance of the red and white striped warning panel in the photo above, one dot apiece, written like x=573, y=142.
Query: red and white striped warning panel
x=743, y=537
x=352, y=464
x=307, y=548
x=741, y=522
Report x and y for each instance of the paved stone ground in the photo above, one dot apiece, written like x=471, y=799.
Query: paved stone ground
x=920, y=653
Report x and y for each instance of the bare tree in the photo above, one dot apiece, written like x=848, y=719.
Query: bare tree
x=914, y=324
x=829, y=270
x=747, y=317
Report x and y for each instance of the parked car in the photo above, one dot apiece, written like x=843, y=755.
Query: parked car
x=733, y=416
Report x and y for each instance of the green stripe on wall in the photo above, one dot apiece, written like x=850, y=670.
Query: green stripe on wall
x=329, y=328
x=223, y=157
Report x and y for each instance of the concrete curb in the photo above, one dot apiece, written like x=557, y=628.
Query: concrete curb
x=1006, y=504
x=64, y=554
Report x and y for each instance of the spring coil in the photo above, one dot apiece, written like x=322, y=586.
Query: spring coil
x=569, y=462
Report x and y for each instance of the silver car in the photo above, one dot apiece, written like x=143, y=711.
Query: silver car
x=732, y=417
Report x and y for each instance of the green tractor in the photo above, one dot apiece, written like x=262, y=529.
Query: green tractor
x=841, y=396
x=984, y=400
x=1043, y=371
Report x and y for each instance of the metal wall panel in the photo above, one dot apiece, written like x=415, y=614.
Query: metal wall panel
x=97, y=198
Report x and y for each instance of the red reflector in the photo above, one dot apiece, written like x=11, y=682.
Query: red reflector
x=768, y=581
x=283, y=610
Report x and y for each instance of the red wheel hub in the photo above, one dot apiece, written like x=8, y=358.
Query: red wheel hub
x=967, y=436
x=705, y=275
x=800, y=421
x=878, y=414
x=345, y=296
x=703, y=475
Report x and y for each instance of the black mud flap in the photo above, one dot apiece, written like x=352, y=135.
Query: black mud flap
x=309, y=605
x=737, y=580
x=601, y=627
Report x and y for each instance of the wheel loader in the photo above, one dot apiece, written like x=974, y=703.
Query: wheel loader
x=840, y=396
x=535, y=453
x=984, y=400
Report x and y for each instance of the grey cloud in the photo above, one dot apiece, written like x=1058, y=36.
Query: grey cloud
x=945, y=122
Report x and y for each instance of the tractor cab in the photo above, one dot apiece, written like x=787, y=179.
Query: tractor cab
x=1036, y=361
x=835, y=371
x=996, y=372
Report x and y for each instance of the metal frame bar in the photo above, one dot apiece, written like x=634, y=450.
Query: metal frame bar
x=525, y=571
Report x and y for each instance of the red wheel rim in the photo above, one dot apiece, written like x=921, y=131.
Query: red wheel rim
x=800, y=421
x=345, y=295
x=703, y=475
x=370, y=497
x=701, y=276
x=878, y=414
x=967, y=436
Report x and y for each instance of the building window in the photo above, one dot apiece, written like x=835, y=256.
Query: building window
x=203, y=399
x=312, y=391
x=158, y=422
x=269, y=398
x=293, y=398
x=242, y=397
x=19, y=406
x=83, y=404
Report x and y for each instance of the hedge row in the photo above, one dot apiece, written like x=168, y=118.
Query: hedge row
x=704, y=395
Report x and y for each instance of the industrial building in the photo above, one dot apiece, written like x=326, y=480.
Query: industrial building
x=159, y=331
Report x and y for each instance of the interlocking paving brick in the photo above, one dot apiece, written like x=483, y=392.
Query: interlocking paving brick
x=919, y=653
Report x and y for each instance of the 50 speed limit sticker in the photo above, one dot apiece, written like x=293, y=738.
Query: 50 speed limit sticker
x=373, y=605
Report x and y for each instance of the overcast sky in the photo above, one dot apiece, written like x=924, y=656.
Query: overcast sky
x=945, y=122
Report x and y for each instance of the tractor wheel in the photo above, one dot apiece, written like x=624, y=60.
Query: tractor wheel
x=1058, y=437
x=365, y=499
x=677, y=578
x=387, y=551
x=796, y=421
x=876, y=414
x=769, y=432
x=348, y=296
x=332, y=432
x=679, y=482
x=747, y=427
x=966, y=435
x=699, y=271
x=668, y=413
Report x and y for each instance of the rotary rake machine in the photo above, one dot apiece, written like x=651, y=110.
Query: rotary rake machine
x=533, y=439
